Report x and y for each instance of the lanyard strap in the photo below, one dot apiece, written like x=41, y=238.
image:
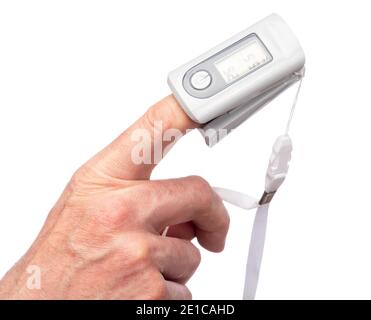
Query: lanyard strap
x=276, y=174
x=256, y=249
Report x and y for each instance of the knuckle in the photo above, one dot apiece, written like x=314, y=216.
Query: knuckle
x=80, y=181
x=187, y=294
x=188, y=252
x=196, y=256
x=139, y=252
x=204, y=189
x=82, y=174
x=226, y=220
x=158, y=290
x=165, y=112
x=157, y=115
x=199, y=181
x=222, y=223
x=150, y=118
x=115, y=212
x=76, y=180
x=191, y=252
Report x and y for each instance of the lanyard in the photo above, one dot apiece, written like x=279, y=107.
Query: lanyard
x=276, y=173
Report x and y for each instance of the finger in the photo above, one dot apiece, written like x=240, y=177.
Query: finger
x=133, y=155
x=189, y=199
x=176, y=259
x=176, y=291
x=182, y=231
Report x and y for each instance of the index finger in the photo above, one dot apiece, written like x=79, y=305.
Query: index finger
x=134, y=154
x=181, y=200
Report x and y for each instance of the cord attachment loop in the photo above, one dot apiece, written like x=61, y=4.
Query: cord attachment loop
x=277, y=168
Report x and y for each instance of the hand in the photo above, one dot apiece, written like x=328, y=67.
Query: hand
x=102, y=239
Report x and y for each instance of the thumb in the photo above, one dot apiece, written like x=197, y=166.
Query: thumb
x=134, y=154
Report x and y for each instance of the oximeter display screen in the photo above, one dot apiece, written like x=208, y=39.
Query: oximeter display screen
x=243, y=60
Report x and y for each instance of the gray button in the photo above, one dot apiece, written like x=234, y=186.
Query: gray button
x=200, y=80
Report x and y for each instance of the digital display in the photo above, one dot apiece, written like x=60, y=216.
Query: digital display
x=243, y=61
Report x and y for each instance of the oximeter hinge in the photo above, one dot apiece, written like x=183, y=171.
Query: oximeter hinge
x=219, y=127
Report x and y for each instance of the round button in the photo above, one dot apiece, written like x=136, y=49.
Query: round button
x=201, y=80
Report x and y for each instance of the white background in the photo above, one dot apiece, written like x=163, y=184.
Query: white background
x=74, y=74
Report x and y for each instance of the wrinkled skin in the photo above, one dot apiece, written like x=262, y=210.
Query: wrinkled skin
x=102, y=239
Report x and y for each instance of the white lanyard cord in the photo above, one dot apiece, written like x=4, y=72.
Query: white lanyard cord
x=256, y=249
x=276, y=173
x=292, y=111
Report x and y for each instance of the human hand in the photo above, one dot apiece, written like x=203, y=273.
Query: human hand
x=102, y=239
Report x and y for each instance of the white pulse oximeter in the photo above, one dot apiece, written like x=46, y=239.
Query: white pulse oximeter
x=226, y=85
